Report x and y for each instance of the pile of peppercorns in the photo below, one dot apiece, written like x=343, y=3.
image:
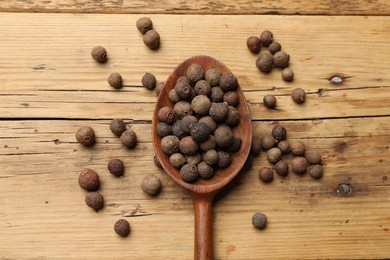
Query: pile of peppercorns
x=197, y=132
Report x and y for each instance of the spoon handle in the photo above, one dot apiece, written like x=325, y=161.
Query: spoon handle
x=203, y=208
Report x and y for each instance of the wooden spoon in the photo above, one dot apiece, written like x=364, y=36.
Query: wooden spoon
x=203, y=191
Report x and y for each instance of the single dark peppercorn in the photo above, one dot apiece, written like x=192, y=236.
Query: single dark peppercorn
x=224, y=159
x=231, y=98
x=210, y=122
x=212, y=76
x=209, y=144
x=223, y=136
x=188, y=145
x=85, y=135
x=211, y=157
x=268, y=142
x=195, y=72
x=159, y=88
x=117, y=126
x=287, y=74
x=269, y=101
x=281, y=168
x=219, y=111
x=151, y=184
x=279, y=132
x=253, y=43
x=256, y=146
x=172, y=95
x=99, y=54
x=236, y=145
x=144, y=24
x=297, y=147
x=205, y=171
x=274, y=155
x=116, y=167
x=115, y=80
x=201, y=105
x=89, y=180
x=228, y=82
x=163, y=129
x=259, y=220
x=216, y=94
x=194, y=158
x=149, y=81
x=299, y=165
x=315, y=171
x=266, y=38
x=266, y=174
x=183, y=88
x=284, y=146
x=122, y=227
x=265, y=62
x=187, y=123
x=177, y=160
x=157, y=161
x=200, y=132
x=189, y=172
x=202, y=87
x=177, y=129
x=182, y=109
x=344, y=189
x=274, y=47
x=170, y=144
x=313, y=157
x=94, y=200
x=233, y=117
x=129, y=138
x=152, y=39
x=166, y=115
x=281, y=59
x=298, y=95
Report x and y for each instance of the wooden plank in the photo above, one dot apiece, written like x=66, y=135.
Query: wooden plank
x=45, y=63
x=40, y=162
x=327, y=7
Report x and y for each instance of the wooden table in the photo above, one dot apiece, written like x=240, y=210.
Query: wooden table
x=50, y=87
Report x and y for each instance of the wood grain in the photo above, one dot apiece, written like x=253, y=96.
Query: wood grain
x=326, y=7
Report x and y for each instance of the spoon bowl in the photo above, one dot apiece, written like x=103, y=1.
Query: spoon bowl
x=203, y=191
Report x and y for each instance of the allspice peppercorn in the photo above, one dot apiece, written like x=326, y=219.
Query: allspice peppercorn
x=297, y=147
x=299, y=165
x=129, y=138
x=281, y=168
x=211, y=157
x=287, y=74
x=228, y=82
x=177, y=160
x=265, y=62
x=205, y=171
x=233, y=117
x=201, y=105
x=281, y=59
x=279, y=132
x=195, y=72
x=173, y=96
x=182, y=109
x=170, y=144
x=266, y=174
x=187, y=123
x=152, y=39
x=259, y=220
x=166, y=115
x=313, y=157
x=266, y=38
x=253, y=43
x=116, y=167
x=117, y=126
x=274, y=47
x=163, y=129
x=298, y=95
x=188, y=145
x=149, y=81
x=274, y=155
x=183, y=88
x=202, y=87
x=231, y=98
x=200, y=132
x=194, y=158
x=219, y=111
x=210, y=122
x=94, y=200
x=269, y=101
x=89, y=180
x=315, y=171
x=212, y=76
x=223, y=136
x=99, y=54
x=157, y=162
x=159, y=88
x=216, y=94
x=256, y=146
x=284, y=146
x=177, y=129
x=268, y=142
x=151, y=184
x=115, y=80
x=122, y=227
x=224, y=159
x=189, y=172
x=236, y=145
x=85, y=135
x=144, y=24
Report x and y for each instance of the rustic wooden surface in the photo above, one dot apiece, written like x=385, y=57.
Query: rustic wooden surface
x=50, y=87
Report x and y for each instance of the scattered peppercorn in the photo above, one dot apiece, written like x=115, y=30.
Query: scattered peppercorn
x=166, y=115
x=259, y=220
x=265, y=62
x=163, y=129
x=152, y=39
x=89, y=180
x=195, y=72
x=281, y=168
x=115, y=80
x=223, y=136
x=177, y=160
x=189, y=172
x=159, y=88
x=231, y=98
x=182, y=109
x=299, y=165
x=253, y=43
x=151, y=184
x=313, y=157
x=279, y=132
x=94, y=200
x=144, y=24
x=122, y=227
x=281, y=59
x=205, y=171
x=284, y=146
x=298, y=95
x=117, y=126
x=344, y=189
x=266, y=174
x=129, y=138
x=170, y=144
x=266, y=38
x=99, y=54
x=269, y=101
x=219, y=111
x=228, y=82
x=116, y=167
x=274, y=47
x=274, y=155
x=212, y=76
x=268, y=142
x=188, y=145
x=85, y=135
x=297, y=147
x=224, y=159
x=201, y=105
x=315, y=171
x=149, y=81
x=216, y=94
x=287, y=74
x=211, y=157
x=202, y=87
x=256, y=146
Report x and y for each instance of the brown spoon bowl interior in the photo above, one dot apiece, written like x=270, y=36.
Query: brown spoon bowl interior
x=242, y=130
